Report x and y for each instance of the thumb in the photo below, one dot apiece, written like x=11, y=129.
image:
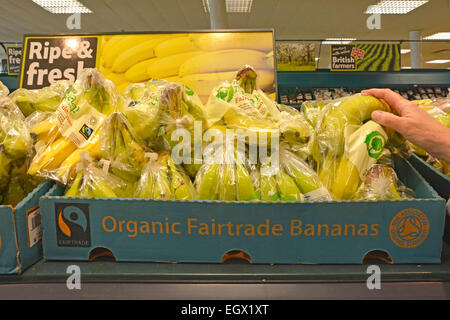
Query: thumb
x=387, y=119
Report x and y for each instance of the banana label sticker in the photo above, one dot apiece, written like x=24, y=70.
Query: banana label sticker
x=409, y=228
x=364, y=145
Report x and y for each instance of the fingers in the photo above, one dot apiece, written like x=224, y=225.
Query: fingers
x=396, y=101
x=388, y=119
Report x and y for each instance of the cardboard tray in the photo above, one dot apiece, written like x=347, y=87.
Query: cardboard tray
x=334, y=232
x=21, y=232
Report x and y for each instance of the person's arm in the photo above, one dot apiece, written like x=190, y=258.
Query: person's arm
x=415, y=124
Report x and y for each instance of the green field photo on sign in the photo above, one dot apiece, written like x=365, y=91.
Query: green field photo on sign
x=378, y=57
x=295, y=56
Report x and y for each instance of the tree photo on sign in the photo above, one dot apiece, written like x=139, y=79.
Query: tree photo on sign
x=295, y=56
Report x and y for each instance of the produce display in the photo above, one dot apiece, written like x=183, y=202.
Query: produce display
x=99, y=143
x=16, y=149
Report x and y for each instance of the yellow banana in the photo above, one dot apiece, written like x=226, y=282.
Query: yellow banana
x=140, y=52
x=223, y=60
x=46, y=130
x=52, y=156
x=208, y=181
x=73, y=190
x=346, y=180
x=118, y=44
x=269, y=189
x=117, y=78
x=162, y=188
x=288, y=189
x=228, y=184
x=181, y=185
x=220, y=41
x=245, y=188
x=175, y=46
x=138, y=72
x=169, y=66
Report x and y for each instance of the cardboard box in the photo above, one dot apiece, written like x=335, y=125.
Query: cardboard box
x=439, y=181
x=335, y=232
x=21, y=233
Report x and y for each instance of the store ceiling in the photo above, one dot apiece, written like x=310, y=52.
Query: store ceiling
x=291, y=19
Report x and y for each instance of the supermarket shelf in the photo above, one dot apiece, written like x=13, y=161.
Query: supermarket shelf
x=111, y=280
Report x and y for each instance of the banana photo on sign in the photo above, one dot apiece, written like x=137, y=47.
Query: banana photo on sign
x=199, y=60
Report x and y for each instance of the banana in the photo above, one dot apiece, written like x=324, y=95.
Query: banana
x=99, y=189
x=268, y=187
x=288, y=189
x=207, y=181
x=5, y=166
x=223, y=60
x=346, y=180
x=181, y=185
x=245, y=188
x=228, y=183
x=116, y=46
x=138, y=72
x=221, y=41
x=117, y=78
x=169, y=66
x=140, y=52
x=162, y=188
x=53, y=156
x=175, y=46
x=73, y=190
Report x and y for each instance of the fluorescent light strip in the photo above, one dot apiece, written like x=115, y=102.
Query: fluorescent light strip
x=394, y=7
x=233, y=6
x=438, y=61
x=338, y=40
x=63, y=6
x=439, y=36
x=404, y=51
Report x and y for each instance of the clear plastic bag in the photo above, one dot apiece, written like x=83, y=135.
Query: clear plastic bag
x=73, y=127
x=16, y=149
x=162, y=179
x=45, y=99
x=4, y=91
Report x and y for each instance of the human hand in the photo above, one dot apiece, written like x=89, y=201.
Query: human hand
x=415, y=124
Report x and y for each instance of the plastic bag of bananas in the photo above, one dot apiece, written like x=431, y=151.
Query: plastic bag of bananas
x=45, y=99
x=162, y=179
x=73, y=127
x=15, y=153
x=93, y=179
x=347, y=143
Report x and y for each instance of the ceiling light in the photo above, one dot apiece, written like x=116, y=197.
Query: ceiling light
x=338, y=40
x=438, y=61
x=403, y=51
x=63, y=6
x=439, y=36
x=394, y=7
x=406, y=67
x=233, y=6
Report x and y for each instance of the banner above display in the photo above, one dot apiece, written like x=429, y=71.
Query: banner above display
x=365, y=57
x=14, y=60
x=200, y=59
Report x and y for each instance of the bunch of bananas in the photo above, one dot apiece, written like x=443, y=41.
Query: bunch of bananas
x=331, y=147
x=45, y=99
x=190, y=59
x=122, y=148
x=73, y=127
x=162, y=179
x=228, y=180
x=93, y=181
x=15, y=153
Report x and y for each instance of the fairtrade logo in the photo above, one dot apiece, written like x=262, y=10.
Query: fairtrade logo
x=375, y=143
x=86, y=132
x=74, y=215
x=72, y=225
x=409, y=228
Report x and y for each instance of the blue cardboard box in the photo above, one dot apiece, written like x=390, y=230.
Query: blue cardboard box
x=334, y=232
x=439, y=181
x=21, y=232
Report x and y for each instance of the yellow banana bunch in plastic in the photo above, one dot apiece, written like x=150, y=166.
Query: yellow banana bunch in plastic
x=72, y=126
x=163, y=179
